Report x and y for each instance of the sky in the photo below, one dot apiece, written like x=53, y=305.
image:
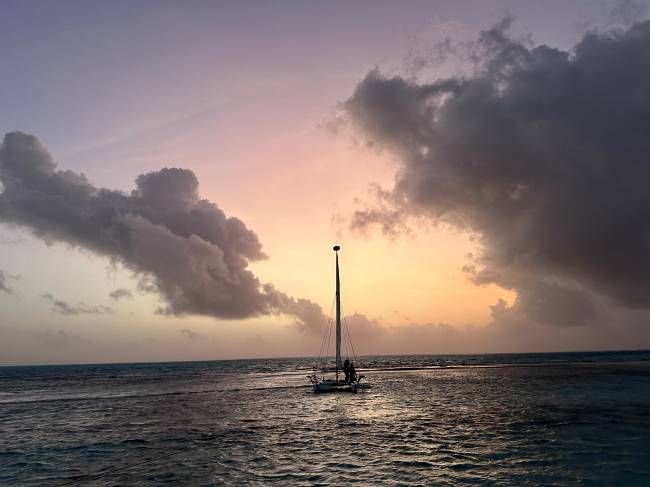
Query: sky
x=174, y=176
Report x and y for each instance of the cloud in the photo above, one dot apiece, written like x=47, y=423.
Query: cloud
x=120, y=293
x=4, y=287
x=179, y=245
x=11, y=242
x=627, y=12
x=309, y=316
x=540, y=154
x=67, y=309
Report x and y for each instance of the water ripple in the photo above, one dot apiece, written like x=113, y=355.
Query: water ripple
x=232, y=424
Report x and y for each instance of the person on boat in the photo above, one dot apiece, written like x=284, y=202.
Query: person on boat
x=352, y=373
x=346, y=370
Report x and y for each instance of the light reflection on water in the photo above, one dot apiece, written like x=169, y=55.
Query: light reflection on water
x=213, y=424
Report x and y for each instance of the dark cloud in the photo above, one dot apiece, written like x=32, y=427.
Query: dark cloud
x=542, y=155
x=147, y=285
x=120, y=293
x=67, y=309
x=179, y=245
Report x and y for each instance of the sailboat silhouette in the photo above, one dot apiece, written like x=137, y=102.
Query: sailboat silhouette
x=336, y=384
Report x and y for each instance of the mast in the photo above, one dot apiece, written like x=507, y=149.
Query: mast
x=338, y=314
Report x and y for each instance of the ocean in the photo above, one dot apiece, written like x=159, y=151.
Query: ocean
x=507, y=419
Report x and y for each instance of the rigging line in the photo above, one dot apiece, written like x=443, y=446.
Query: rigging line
x=327, y=350
x=327, y=343
x=347, y=336
x=346, y=332
x=350, y=338
x=329, y=319
x=322, y=348
x=348, y=342
x=351, y=343
x=347, y=339
x=327, y=327
x=329, y=338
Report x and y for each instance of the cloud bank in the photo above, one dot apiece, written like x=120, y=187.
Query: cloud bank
x=181, y=246
x=542, y=155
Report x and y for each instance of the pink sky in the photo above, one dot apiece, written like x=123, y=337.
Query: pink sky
x=243, y=95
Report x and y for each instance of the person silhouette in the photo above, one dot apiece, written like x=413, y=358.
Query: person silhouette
x=352, y=373
x=346, y=370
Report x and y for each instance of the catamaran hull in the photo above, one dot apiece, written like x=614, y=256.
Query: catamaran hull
x=326, y=386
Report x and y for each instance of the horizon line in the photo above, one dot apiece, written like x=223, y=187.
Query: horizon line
x=622, y=350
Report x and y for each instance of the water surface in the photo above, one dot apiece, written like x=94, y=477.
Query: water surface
x=525, y=419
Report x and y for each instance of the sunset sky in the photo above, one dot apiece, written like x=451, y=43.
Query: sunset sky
x=291, y=115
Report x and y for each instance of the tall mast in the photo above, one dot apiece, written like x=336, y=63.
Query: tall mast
x=338, y=314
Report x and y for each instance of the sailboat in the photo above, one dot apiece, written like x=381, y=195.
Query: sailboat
x=336, y=384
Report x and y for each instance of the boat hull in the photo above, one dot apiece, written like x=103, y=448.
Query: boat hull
x=334, y=386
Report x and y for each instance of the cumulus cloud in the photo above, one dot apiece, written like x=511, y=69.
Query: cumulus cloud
x=11, y=242
x=540, y=154
x=309, y=316
x=81, y=308
x=120, y=293
x=179, y=245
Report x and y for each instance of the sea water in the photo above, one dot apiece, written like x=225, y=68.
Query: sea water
x=510, y=419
